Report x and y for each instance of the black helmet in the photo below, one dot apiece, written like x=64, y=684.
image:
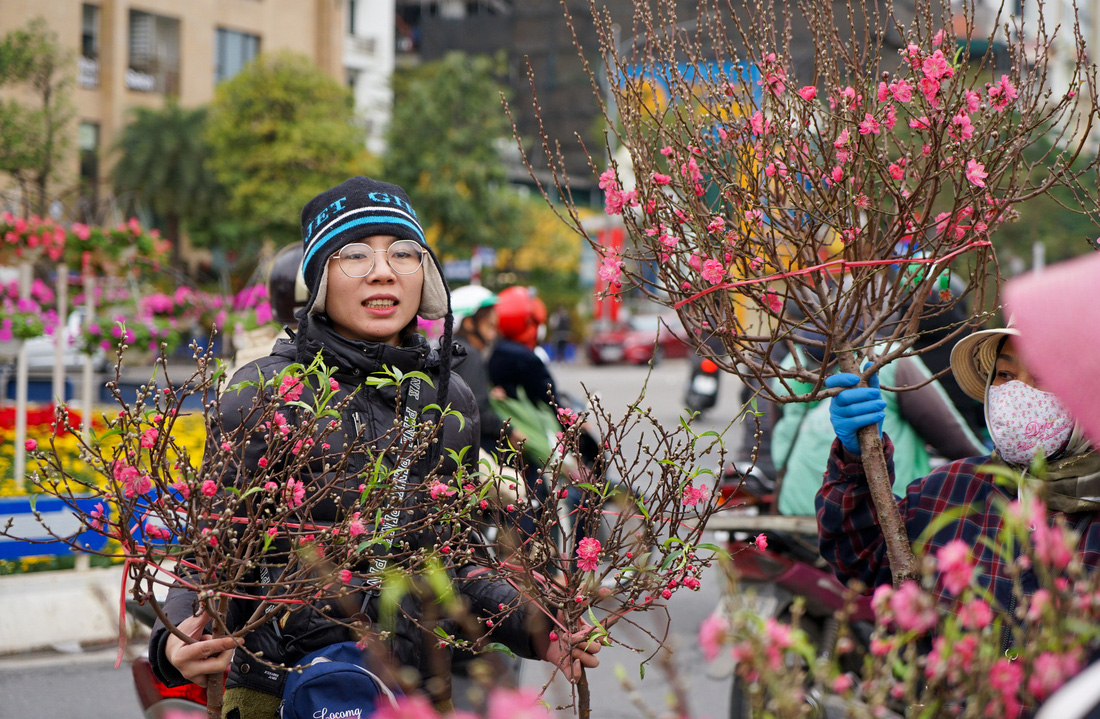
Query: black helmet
x=286, y=288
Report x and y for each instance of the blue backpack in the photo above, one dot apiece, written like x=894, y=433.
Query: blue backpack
x=332, y=683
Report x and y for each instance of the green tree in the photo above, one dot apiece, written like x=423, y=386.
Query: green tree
x=448, y=123
x=280, y=132
x=163, y=163
x=33, y=135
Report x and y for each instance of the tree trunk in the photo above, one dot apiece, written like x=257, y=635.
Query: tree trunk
x=584, y=696
x=903, y=565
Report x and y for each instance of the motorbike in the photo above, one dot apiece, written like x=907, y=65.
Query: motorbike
x=157, y=700
x=772, y=579
x=702, y=388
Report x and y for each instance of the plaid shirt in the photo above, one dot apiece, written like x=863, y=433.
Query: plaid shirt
x=853, y=545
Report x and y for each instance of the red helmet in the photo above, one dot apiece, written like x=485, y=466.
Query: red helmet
x=520, y=313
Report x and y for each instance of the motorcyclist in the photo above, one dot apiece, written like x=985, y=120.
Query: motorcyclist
x=1024, y=421
x=477, y=330
x=286, y=293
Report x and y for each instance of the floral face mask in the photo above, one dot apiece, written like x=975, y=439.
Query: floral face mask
x=1024, y=421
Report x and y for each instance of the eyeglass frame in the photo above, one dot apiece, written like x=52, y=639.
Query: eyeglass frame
x=419, y=250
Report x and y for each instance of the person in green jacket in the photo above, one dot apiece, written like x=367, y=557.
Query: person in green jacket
x=917, y=421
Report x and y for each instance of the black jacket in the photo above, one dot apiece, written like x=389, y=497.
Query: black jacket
x=375, y=409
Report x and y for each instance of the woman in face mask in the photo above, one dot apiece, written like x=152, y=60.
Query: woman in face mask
x=1030, y=428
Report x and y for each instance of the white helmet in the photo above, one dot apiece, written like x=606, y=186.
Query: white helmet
x=466, y=301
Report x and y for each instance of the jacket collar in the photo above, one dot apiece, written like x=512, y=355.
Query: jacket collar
x=317, y=336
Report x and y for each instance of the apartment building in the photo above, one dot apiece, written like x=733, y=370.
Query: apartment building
x=141, y=53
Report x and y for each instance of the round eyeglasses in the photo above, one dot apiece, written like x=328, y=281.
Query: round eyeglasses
x=357, y=260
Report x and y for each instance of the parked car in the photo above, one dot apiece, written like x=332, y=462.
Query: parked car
x=634, y=340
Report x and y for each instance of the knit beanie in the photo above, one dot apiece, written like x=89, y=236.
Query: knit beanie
x=352, y=211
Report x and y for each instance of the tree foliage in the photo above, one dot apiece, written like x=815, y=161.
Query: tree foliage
x=280, y=132
x=163, y=163
x=443, y=149
x=33, y=134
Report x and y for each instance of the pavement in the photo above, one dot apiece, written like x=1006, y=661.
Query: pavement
x=66, y=610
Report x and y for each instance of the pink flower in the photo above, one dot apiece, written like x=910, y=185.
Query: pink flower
x=779, y=638
x=611, y=269
x=30, y=445
x=1050, y=671
x=713, y=271
x=133, y=481
x=807, y=93
x=935, y=66
x=209, y=487
x=902, y=91
x=281, y=424
x=333, y=384
x=1002, y=94
x=149, y=437
x=588, y=551
x=841, y=139
x=667, y=151
x=973, y=101
x=693, y=496
x=184, y=489
x=659, y=179
x=913, y=608
x=921, y=123
x=975, y=614
x=897, y=169
x=870, y=126
x=758, y=125
x=837, y=174
x=438, y=489
x=961, y=128
x=97, y=515
x=345, y=576
x=566, y=416
x=773, y=301
x=356, y=526
x=262, y=461
x=761, y=541
x=842, y=683
x=515, y=704
x=290, y=388
x=930, y=88
x=955, y=566
x=295, y=492
x=975, y=172
x=1006, y=677
x=1053, y=546
x=712, y=634
x=407, y=707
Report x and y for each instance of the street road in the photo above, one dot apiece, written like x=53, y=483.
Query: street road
x=86, y=686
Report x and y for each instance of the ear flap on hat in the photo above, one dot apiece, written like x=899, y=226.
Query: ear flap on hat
x=318, y=306
x=433, y=297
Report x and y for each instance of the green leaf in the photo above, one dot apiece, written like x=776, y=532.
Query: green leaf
x=498, y=647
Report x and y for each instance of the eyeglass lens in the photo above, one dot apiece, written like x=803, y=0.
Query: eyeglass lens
x=357, y=260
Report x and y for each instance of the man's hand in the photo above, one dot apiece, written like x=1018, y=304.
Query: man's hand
x=570, y=653
x=855, y=408
x=203, y=656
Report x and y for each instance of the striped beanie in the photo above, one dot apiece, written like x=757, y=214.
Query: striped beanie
x=353, y=211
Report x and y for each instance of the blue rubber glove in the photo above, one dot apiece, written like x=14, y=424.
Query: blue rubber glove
x=855, y=408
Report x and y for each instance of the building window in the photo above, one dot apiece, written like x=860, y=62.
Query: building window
x=88, y=64
x=233, y=51
x=88, y=140
x=353, y=77
x=154, y=53
x=351, y=17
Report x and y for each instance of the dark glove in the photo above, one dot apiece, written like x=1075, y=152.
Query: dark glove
x=855, y=408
